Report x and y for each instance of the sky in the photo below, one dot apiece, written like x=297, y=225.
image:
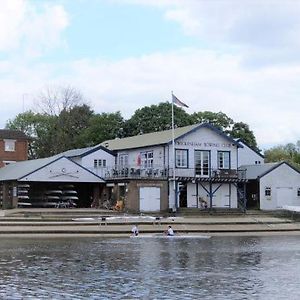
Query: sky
x=238, y=57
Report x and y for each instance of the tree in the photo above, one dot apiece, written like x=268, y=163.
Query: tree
x=52, y=100
x=101, y=127
x=155, y=118
x=68, y=128
x=219, y=119
x=38, y=128
x=241, y=130
x=289, y=153
x=56, y=125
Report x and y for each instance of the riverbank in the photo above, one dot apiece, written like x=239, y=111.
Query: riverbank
x=103, y=223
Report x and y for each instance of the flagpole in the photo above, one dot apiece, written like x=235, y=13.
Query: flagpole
x=173, y=150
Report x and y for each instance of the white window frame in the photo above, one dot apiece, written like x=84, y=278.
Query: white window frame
x=223, y=161
x=9, y=145
x=147, y=159
x=268, y=191
x=123, y=160
x=181, y=158
x=202, y=162
x=99, y=163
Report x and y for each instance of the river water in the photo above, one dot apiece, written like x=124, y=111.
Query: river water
x=126, y=268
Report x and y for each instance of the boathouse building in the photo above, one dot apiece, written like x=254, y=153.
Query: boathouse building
x=205, y=169
x=205, y=173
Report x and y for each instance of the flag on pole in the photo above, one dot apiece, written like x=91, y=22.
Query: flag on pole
x=178, y=102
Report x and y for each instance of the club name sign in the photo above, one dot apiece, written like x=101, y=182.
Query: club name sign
x=204, y=144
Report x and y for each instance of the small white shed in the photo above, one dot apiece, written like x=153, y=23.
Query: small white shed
x=272, y=185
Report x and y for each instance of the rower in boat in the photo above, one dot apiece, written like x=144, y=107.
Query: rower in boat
x=135, y=230
x=170, y=231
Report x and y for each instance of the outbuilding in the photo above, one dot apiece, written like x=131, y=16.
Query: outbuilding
x=271, y=186
x=49, y=182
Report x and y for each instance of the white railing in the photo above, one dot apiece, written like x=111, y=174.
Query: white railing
x=165, y=172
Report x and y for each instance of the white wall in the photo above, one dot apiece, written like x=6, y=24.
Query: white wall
x=88, y=162
x=204, y=139
x=62, y=170
x=158, y=156
x=246, y=156
x=223, y=197
x=284, y=182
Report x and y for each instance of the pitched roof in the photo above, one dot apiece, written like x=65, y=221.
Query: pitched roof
x=83, y=151
x=160, y=138
x=18, y=170
x=258, y=171
x=13, y=134
x=246, y=144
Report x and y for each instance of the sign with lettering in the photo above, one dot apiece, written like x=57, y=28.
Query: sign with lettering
x=203, y=144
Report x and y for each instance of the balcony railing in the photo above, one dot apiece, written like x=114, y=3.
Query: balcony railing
x=161, y=172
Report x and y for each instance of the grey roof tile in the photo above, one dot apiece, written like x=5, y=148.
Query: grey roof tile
x=255, y=171
x=13, y=134
x=158, y=138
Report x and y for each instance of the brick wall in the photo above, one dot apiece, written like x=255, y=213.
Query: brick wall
x=20, y=153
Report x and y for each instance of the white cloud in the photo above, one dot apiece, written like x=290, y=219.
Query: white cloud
x=203, y=79
x=30, y=28
x=239, y=73
x=265, y=32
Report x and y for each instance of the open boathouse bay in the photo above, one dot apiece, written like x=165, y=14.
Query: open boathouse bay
x=126, y=268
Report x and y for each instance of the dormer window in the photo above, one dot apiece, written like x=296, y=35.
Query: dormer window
x=9, y=145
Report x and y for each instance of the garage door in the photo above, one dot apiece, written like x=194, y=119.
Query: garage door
x=284, y=196
x=149, y=199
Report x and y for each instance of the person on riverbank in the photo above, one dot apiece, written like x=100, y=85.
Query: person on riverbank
x=135, y=230
x=169, y=231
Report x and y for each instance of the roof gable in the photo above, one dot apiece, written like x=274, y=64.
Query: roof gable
x=161, y=138
x=215, y=130
x=251, y=148
x=260, y=170
x=47, y=169
x=277, y=166
x=81, y=152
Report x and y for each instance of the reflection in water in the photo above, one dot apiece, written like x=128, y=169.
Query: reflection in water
x=218, y=268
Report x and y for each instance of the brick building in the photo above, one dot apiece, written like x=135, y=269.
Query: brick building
x=13, y=146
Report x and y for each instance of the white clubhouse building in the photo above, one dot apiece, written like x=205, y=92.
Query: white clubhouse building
x=212, y=170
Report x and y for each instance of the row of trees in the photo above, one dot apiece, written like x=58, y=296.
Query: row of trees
x=64, y=120
x=289, y=153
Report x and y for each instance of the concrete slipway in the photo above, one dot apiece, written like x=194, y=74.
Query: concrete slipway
x=103, y=223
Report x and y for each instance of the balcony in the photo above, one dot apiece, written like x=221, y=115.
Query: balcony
x=161, y=172
x=119, y=172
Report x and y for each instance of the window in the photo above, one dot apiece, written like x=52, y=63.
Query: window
x=257, y=162
x=202, y=163
x=7, y=162
x=181, y=158
x=298, y=192
x=268, y=191
x=223, y=160
x=123, y=160
x=98, y=163
x=147, y=159
x=9, y=145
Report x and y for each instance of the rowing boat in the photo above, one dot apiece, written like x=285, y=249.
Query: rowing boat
x=161, y=236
